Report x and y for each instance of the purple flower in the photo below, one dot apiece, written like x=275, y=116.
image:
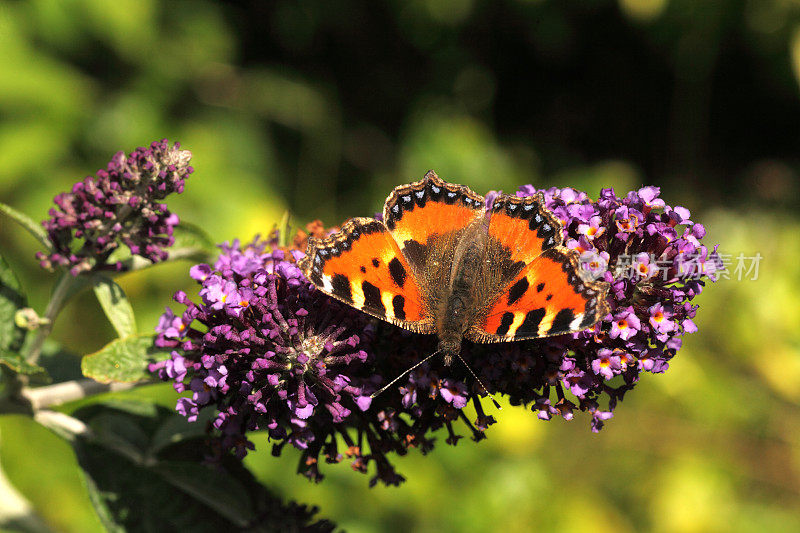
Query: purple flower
x=576, y=380
x=657, y=264
x=594, y=264
x=625, y=325
x=272, y=352
x=659, y=319
x=627, y=220
x=454, y=393
x=607, y=363
x=649, y=196
x=593, y=228
x=599, y=417
x=219, y=293
x=644, y=266
x=171, y=326
x=120, y=205
x=200, y=272
x=543, y=409
x=581, y=245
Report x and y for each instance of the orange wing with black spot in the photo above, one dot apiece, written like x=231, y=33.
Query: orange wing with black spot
x=524, y=226
x=427, y=218
x=362, y=266
x=548, y=293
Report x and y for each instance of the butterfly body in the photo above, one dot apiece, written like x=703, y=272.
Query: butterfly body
x=441, y=263
x=459, y=301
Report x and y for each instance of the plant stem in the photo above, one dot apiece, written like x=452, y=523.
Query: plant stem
x=62, y=424
x=60, y=295
x=68, y=391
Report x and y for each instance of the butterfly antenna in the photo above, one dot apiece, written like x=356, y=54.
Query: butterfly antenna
x=480, y=382
x=403, y=374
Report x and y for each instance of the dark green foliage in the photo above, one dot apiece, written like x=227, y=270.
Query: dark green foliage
x=145, y=472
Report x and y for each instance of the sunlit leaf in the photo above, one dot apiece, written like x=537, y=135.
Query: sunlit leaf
x=123, y=359
x=16, y=513
x=115, y=305
x=18, y=364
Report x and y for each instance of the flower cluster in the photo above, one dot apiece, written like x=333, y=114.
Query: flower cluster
x=652, y=256
x=118, y=205
x=266, y=350
x=269, y=351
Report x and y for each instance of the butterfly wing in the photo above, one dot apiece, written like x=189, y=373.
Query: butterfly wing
x=427, y=219
x=543, y=291
x=362, y=266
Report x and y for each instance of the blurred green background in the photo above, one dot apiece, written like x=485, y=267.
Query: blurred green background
x=323, y=106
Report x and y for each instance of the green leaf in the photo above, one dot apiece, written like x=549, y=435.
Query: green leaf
x=74, y=285
x=115, y=305
x=11, y=300
x=191, y=236
x=122, y=360
x=26, y=222
x=138, y=485
x=177, y=428
x=60, y=363
x=16, y=513
x=18, y=364
x=218, y=490
x=121, y=254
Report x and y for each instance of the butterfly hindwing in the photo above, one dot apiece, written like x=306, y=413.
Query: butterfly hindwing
x=362, y=266
x=548, y=297
x=539, y=289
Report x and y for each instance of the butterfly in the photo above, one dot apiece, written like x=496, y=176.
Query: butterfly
x=441, y=263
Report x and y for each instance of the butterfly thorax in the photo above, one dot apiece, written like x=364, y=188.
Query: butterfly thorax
x=457, y=313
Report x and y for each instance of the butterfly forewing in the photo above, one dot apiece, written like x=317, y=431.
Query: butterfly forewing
x=427, y=219
x=362, y=266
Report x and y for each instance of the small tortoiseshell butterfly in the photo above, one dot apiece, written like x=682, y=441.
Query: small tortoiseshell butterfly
x=441, y=263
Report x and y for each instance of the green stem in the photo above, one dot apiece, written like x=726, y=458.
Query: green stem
x=60, y=294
